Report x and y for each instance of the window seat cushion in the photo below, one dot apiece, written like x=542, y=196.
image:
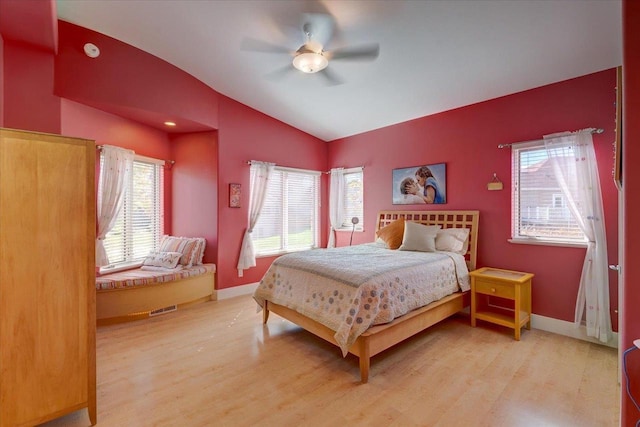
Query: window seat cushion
x=137, y=277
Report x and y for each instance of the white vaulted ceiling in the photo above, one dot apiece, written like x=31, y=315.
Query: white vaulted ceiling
x=434, y=55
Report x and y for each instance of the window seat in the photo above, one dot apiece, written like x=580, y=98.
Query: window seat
x=137, y=294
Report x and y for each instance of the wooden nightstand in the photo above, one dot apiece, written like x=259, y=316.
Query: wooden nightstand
x=506, y=284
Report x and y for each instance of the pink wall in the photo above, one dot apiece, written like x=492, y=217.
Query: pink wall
x=466, y=140
x=130, y=82
x=28, y=89
x=28, y=39
x=631, y=209
x=1, y=80
x=244, y=135
x=195, y=177
x=30, y=22
x=85, y=122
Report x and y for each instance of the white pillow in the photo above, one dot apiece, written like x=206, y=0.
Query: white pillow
x=419, y=237
x=162, y=259
x=453, y=240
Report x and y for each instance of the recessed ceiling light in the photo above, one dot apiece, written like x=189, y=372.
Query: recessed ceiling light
x=169, y=124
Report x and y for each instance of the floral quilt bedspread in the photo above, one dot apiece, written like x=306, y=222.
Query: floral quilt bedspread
x=349, y=289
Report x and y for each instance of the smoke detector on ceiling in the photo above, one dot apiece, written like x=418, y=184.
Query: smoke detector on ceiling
x=91, y=50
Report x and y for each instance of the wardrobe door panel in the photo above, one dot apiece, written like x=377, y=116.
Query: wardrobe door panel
x=47, y=329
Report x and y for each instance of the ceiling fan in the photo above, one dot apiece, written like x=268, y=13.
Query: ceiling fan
x=312, y=57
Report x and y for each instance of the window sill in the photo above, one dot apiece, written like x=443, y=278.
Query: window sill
x=276, y=254
x=541, y=242
x=348, y=230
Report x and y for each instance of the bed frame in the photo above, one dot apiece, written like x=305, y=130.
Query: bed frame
x=381, y=337
x=134, y=303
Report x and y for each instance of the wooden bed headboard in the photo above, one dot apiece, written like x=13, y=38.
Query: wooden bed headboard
x=445, y=219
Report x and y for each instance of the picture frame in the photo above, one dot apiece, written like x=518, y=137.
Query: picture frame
x=418, y=185
x=234, y=195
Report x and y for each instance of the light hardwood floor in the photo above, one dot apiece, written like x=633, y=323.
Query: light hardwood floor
x=215, y=365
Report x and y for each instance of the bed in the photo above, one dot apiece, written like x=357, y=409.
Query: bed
x=346, y=306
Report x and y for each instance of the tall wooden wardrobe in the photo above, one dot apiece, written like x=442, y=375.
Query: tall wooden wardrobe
x=47, y=277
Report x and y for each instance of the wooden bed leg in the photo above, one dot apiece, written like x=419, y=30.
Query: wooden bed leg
x=365, y=360
x=265, y=313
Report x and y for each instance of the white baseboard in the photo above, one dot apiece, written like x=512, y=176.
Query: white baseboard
x=236, y=291
x=549, y=324
x=569, y=329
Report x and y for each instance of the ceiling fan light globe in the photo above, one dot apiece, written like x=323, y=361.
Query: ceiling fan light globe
x=310, y=62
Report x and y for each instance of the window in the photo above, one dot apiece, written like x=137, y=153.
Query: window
x=140, y=224
x=289, y=219
x=353, y=197
x=540, y=211
x=558, y=201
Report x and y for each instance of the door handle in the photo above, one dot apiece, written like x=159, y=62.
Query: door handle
x=614, y=267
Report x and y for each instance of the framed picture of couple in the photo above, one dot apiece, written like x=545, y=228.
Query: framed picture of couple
x=418, y=185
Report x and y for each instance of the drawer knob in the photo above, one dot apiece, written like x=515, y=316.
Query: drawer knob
x=493, y=289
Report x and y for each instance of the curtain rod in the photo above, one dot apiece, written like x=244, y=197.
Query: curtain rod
x=170, y=162
x=600, y=130
x=250, y=162
x=327, y=172
x=287, y=168
x=354, y=167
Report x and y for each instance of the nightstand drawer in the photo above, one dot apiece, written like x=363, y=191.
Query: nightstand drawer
x=496, y=289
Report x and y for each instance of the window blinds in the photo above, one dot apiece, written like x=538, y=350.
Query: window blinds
x=140, y=224
x=539, y=207
x=289, y=220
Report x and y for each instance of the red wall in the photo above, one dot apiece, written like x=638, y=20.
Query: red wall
x=1, y=80
x=31, y=22
x=466, y=140
x=28, y=39
x=195, y=177
x=244, y=135
x=28, y=89
x=631, y=209
x=128, y=81
x=85, y=122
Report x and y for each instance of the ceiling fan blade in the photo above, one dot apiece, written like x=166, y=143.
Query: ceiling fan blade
x=279, y=73
x=367, y=52
x=330, y=78
x=255, y=45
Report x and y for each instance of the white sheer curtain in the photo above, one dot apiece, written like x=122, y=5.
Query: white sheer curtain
x=573, y=155
x=336, y=203
x=260, y=172
x=115, y=171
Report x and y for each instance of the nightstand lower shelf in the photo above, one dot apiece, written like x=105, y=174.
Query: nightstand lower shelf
x=503, y=317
